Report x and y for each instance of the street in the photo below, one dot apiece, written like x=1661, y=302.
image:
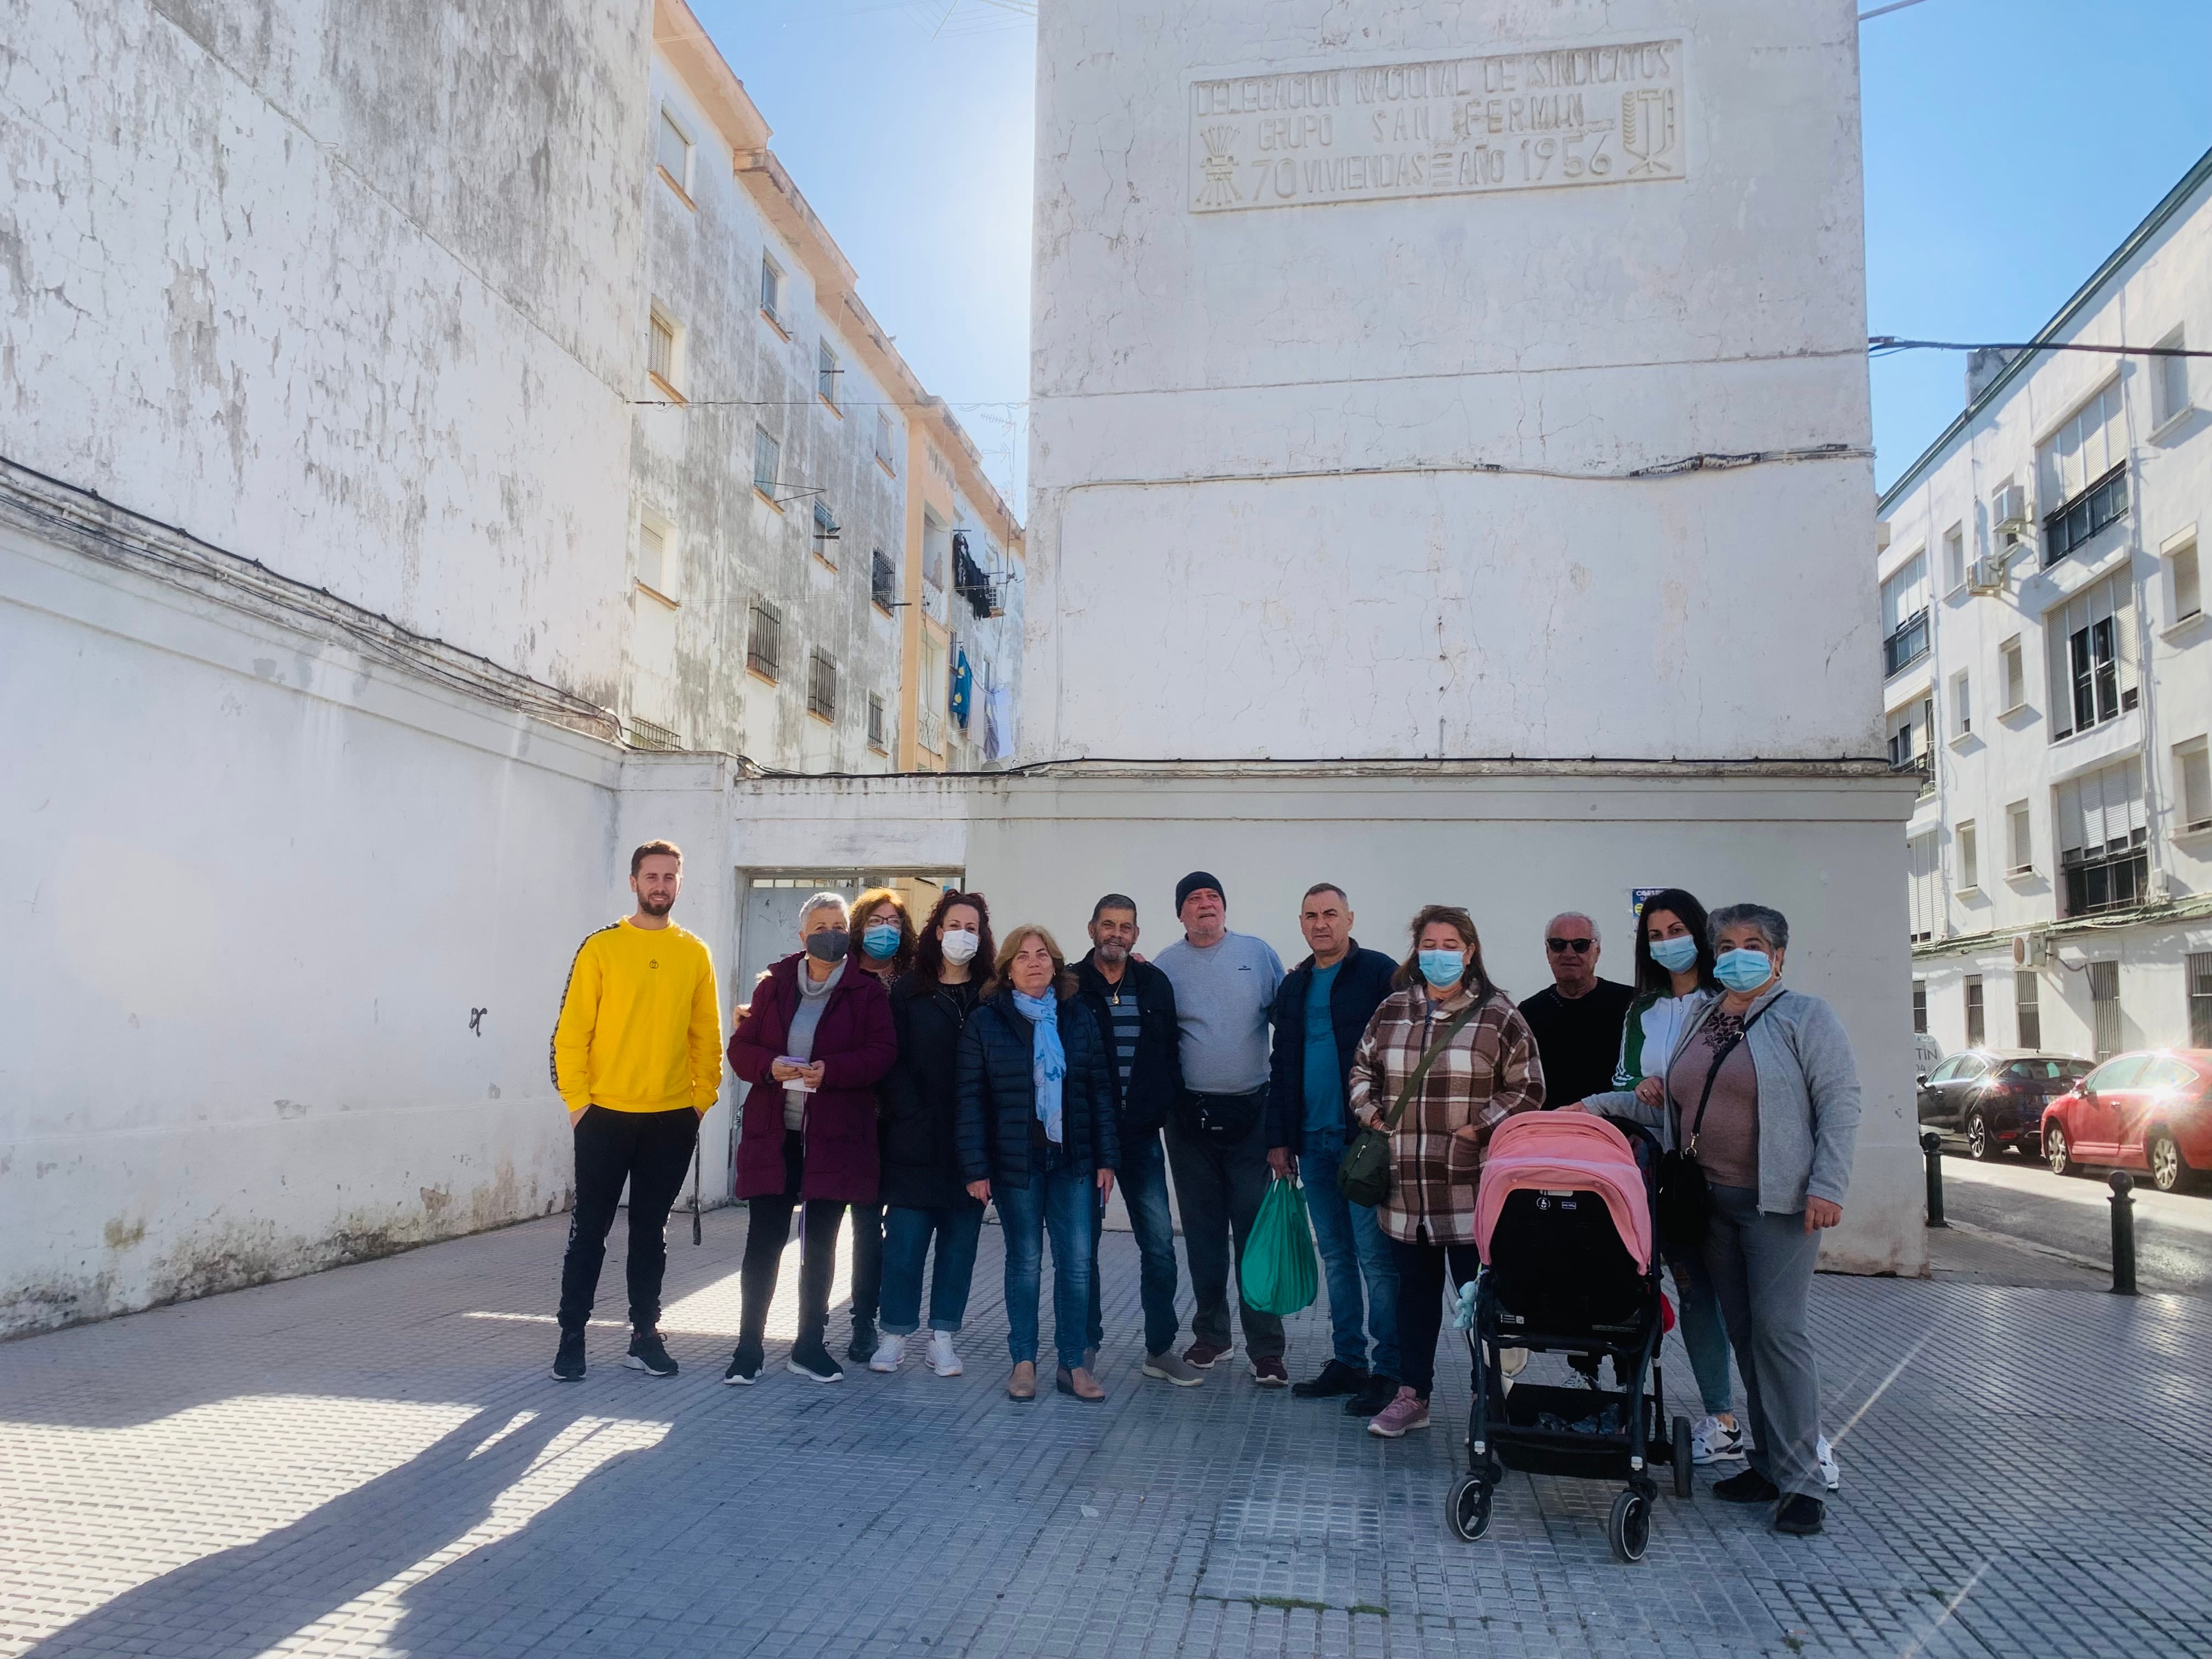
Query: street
x=2071, y=1217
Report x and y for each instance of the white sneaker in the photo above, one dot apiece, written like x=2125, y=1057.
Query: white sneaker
x=942, y=1358
x=1712, y=1441
x=889, y=1352
x=1832, y=1473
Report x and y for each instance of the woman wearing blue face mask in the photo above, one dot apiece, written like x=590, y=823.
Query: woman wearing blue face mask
x=1761, y=1093
x=883, y=947
x=1484, y=1068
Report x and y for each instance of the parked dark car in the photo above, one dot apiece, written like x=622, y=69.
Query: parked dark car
x=2149, y=1110
x=1994, y=1098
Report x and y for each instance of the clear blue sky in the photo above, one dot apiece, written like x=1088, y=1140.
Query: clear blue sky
x=2010, y=144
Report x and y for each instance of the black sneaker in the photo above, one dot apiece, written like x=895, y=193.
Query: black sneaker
x=745, y=1367
x=649, y=1354
x=1748, y=1487
x=1376, y=1392
x=811, y=1360
x=568, y=1364
x=1800, y=1515
x=1336, y=1380
x=862, y=1348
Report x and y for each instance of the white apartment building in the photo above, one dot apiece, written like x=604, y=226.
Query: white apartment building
x=2049, y=666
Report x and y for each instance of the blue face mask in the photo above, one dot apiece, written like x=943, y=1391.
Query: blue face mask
x=1744, y=970
x=1676, y=955
x=880, y=939
x=1442, y=968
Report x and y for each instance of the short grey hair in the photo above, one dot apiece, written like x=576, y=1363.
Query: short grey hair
x=825, y=901
x=1597, y=938
x=1772, y=925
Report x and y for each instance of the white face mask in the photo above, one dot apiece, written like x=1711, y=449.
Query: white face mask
x=959, y=946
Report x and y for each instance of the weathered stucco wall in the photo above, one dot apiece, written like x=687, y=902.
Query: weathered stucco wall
x=355, y=291
x=1325, y=419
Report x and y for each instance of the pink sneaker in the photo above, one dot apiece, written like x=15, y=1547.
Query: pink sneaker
x=1409, y=1411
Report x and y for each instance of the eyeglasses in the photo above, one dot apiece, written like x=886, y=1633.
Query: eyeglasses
x=1559, y=946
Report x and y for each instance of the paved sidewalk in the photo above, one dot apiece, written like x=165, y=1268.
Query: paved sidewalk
x=374, y=1461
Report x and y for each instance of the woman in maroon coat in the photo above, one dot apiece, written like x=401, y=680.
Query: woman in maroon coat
x=812, y=1046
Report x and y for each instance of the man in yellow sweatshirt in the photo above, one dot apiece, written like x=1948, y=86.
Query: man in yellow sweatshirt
x=637, y=1056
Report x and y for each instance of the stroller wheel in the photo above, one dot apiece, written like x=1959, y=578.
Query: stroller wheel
x=1686, y=1484
x=1467, y=1511
x=1628, y=1528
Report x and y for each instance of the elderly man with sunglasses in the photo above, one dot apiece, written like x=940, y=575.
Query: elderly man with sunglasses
x=1577, y=1016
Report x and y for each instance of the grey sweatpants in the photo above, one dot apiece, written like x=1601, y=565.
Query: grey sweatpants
x=1761, y=1267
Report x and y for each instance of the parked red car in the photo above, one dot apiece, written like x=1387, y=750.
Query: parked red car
x=2149, y=1110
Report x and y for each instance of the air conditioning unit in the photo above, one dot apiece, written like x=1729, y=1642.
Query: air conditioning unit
x=2027, y=950
x=1987, y=574
x=2012, y=510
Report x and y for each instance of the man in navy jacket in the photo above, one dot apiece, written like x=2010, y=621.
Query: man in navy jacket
x=1321, y=1014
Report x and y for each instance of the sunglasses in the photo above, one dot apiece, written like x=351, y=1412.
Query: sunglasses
x=1557, y=946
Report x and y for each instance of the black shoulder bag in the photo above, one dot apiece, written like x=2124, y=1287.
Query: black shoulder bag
x=1363, y=1174
x=1684, y=1207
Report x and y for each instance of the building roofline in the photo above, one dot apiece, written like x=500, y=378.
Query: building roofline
x=2067, y=315
x=761, y=174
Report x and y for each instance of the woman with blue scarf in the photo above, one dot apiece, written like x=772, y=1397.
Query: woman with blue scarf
x=1035, y=1135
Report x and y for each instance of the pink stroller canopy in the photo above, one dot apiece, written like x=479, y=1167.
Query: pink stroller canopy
x=1565, y=1151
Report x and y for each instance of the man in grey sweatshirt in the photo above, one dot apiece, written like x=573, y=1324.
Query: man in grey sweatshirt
x=1217, y=1135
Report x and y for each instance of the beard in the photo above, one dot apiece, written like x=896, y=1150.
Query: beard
x=656, y=906
x=1113, y=954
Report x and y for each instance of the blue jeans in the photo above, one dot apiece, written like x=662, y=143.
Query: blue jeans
x=906, y=1242
x=1144, y=1178
x=1060, y=1198
x=1353, y=1247
x=1704, y=1334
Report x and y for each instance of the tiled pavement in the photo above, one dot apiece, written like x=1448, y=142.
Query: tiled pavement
x=374, y=1461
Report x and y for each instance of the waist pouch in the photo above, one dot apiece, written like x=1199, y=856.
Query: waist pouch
x=1222, y=1120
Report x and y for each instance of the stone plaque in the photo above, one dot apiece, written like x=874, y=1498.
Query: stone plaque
x=1542, y=120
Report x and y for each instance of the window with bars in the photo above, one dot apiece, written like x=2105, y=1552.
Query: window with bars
x=2200, y=999
x=825, y=533
x=826, y=373
x=1977, y=1023
x=2081, y=475
x=768, y=456
x=1926, y=900
x=2092, y=651
x=764, y=641
x=883, y=581
x=879, y=736
x=2105, y=1008
x=1905, y=615
x=2103, y=838
x=821, y=684
x=2027, y=1008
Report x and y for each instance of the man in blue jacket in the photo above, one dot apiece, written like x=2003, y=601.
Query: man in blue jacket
x=1321, y=1014
x=1135, y=1006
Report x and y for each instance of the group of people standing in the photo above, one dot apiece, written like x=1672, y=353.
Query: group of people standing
x=915, y=1074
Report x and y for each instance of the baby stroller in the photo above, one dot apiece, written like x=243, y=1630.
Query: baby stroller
x=1563, y=1224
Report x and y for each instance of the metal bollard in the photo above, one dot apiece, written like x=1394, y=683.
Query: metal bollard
x=1932, y=1144
x=2123, y=1232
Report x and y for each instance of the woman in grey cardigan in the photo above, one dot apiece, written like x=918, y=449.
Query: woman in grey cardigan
x=1774, y=1135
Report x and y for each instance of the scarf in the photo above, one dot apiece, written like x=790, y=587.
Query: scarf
x=1048, y=1059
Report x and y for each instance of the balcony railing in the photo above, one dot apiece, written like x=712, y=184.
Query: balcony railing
x=2074, y=522
x=1906, y=645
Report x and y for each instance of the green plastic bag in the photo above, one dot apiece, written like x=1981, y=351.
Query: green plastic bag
x=1278, y=1274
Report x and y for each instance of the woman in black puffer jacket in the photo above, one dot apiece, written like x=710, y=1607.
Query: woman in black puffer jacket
x=1035, y=1132
x=924, y=1193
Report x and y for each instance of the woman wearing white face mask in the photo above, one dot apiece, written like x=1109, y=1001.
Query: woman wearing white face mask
x=1761, y=1096
x=923, y=1190
x=1482, y=1067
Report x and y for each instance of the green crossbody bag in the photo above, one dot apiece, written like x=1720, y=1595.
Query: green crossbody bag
x=1364, y=1175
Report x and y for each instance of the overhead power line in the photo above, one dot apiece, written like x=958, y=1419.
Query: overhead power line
x=1883, y=345
x=1883, y=11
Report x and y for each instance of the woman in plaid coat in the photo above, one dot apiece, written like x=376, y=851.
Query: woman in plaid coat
x=1484, y=1071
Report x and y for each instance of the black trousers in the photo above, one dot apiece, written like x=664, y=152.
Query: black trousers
x=868, y=1261
x=650, y=1151
x=1421, y=1304
x=768, y=1230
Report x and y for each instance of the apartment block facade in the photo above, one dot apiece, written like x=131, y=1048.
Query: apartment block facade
x=2048, y=667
